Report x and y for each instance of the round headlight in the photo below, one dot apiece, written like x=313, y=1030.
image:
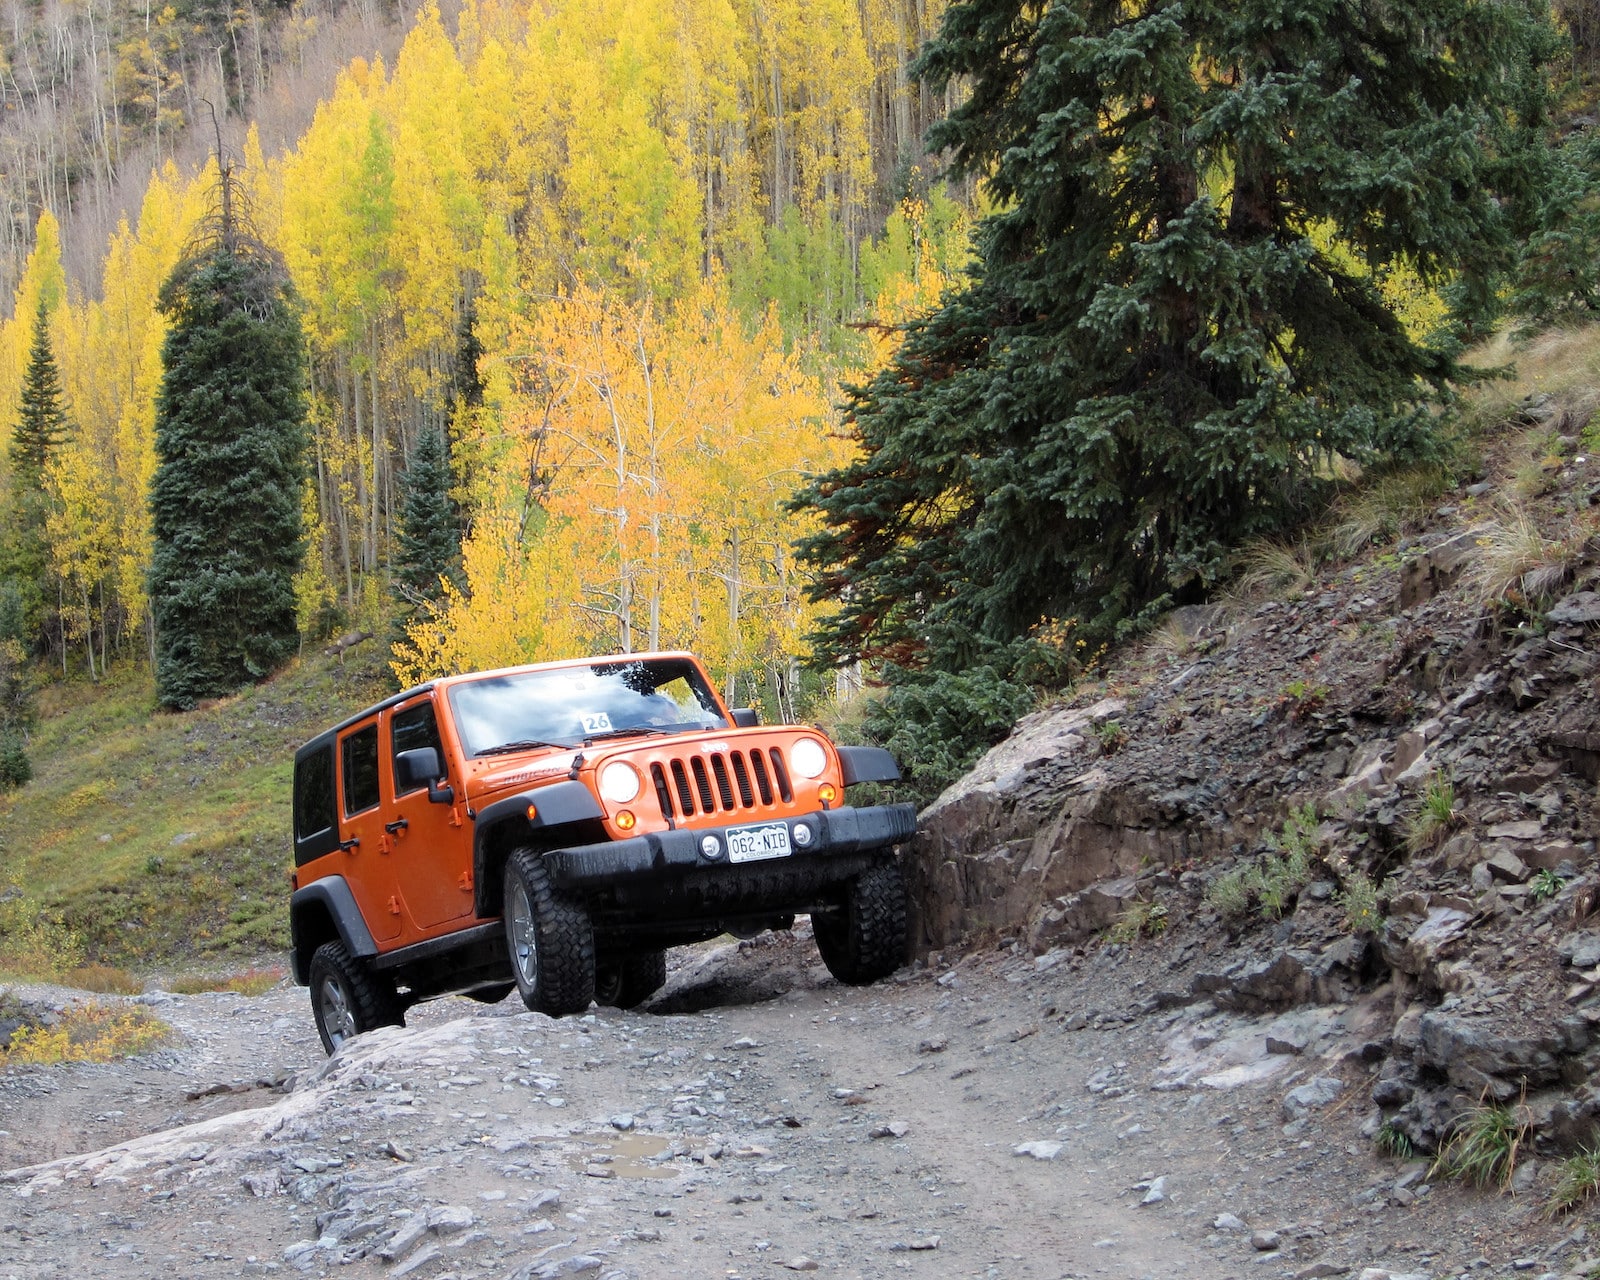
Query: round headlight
x=619, y=782
x=807, y=758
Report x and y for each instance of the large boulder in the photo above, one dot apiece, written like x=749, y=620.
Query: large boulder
x=1040, y=817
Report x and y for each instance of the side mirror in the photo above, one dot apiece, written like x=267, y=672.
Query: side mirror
x=420, y=766
x=746, y=717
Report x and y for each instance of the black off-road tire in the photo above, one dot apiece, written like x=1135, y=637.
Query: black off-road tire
x=347, y=998
x=628, y=981
x=550, y=938
x=864, y=937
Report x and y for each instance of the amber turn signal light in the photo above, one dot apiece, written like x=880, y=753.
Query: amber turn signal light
x=827, y=793
x=533, y=812
x=625, y=820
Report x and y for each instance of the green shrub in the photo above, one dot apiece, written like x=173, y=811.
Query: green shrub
x=1140, y=920
x=34, y=943
x=1430, y=824
x=1275, y=883
x=1393, y=1142
x=1230, y=894
x=15, y=769
x=936, y=724
x=1545, y=884
x=1358, y=899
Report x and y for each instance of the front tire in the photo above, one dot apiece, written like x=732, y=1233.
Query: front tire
x=864, y=937
x=628, y=982
x=347, y=998
x=550, y=939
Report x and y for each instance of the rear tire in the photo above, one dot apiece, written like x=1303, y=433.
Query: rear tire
x=627, y=982
x=347, y=998
x=550, y=939
x=864, y=938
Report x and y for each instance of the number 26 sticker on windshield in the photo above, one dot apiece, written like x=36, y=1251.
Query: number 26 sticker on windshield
x=599, y=722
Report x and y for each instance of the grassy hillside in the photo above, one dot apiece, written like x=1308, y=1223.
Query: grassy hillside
x=161, y=838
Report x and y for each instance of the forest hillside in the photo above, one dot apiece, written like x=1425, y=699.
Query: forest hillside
x=610, y=254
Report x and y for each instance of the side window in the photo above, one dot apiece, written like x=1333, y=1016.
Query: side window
x=313, y=793
x=409, y=729
x=360, y=770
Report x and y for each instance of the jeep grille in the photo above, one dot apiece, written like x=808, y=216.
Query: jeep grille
x=721, y=783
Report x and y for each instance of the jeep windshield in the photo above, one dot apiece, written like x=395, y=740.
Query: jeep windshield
x=572, y=706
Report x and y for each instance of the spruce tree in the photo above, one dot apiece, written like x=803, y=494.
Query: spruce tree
x=1174, y=321
x=430, y=535
x=41, y=429
x=16, y=714
x=231, y=437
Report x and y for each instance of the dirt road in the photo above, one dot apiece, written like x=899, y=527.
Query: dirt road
x=1005, y=1116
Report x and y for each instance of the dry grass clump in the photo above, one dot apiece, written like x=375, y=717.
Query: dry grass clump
x=1517, y=563
x=1485, y=1146
x=1577, y=1183
x=1274, y=569
x=104, y=979
x=249, y=982
x=1564, y=363
x=1437, y=817
x=1387, y=505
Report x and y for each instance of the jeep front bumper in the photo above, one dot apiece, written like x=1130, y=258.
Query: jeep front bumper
x=829, y=835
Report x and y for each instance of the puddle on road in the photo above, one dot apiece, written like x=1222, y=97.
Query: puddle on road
x=626, y=1155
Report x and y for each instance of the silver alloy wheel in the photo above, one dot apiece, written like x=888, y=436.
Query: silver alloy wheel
x=525, y=951
x=337, y=1015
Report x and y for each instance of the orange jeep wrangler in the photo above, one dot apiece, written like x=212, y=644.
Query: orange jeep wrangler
x=556, y=827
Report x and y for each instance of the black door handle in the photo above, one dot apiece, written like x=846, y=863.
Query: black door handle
x=398, y=825
x=351, y=844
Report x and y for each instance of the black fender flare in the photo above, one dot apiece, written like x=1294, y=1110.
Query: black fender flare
x=329, y=896
x=559, y=804
x=867, y=764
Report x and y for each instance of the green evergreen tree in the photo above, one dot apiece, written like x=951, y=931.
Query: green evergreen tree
x=430, y=534
x=231, y=437
x=1173, y=323
x=17, y=714
x=41, y=429
x=1558, y=273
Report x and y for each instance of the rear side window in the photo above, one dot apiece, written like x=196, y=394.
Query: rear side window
x=360, y=770
x=313, y=793
x=409, y=729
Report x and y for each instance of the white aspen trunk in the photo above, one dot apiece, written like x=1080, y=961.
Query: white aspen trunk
x=361, y=474
x=735, y=648
x=377, y=448
x=88, y=635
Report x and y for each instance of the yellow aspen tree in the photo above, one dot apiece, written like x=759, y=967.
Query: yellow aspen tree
x=641, y=497
x=114, y=370
x=81, y=527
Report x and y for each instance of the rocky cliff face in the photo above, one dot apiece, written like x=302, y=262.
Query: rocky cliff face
x=1440, y=674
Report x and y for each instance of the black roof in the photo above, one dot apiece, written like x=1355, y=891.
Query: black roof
x=392, y=700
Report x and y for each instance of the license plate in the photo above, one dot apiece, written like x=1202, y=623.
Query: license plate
x=751, y=844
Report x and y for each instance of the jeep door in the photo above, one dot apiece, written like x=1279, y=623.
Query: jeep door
x=366, y=866
x=432, y=847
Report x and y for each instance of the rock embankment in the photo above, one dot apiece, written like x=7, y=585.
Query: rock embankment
x=1426, y=677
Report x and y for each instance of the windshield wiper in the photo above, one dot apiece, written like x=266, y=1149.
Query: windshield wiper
x=522, y=744
x=641, y=731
